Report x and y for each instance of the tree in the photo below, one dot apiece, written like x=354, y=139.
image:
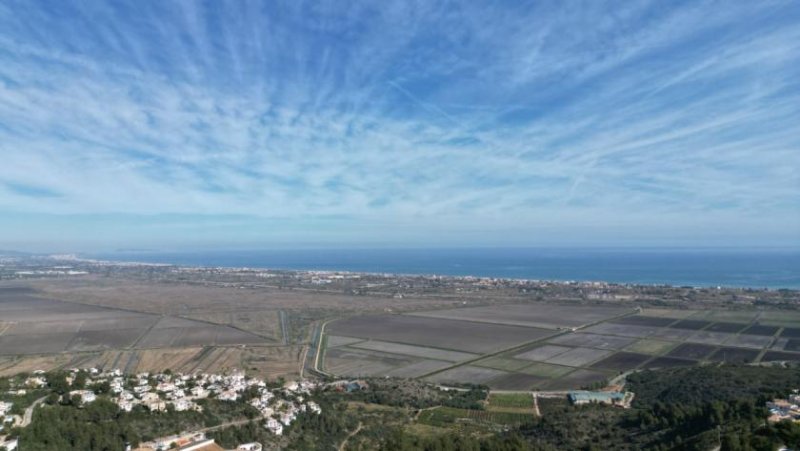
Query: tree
x=79, y=383
x=58, y=383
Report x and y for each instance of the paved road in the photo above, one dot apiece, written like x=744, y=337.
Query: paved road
x=319, y=350
x=28, y=416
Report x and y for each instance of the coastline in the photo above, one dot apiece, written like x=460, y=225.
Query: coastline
x=673, y=268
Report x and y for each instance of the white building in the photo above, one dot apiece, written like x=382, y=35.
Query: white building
x=86, y=396
x=199, y=392
x=125, y=406
x=255, y=446
x=228, y=395
x=287, y=418
x=35, y=382
x=274, y=426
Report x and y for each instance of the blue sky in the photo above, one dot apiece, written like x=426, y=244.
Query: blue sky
x=182, y=124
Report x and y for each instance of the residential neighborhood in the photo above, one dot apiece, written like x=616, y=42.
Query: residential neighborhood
x=278, y=405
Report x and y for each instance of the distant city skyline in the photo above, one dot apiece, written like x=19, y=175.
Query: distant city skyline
x=189, y=124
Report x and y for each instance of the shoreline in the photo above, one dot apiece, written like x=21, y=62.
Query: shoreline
x=429, y=275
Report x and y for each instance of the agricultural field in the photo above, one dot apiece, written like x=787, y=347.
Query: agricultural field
x=503, y=363
x=449, y=416
x=791, y=332
x=546, y=370
x=41, y=333
x=515, y=348
x=668, y=362
x=10, y=365
x=510, y=401
x=734, y=355
x=726, y=327
x=780, y=318
x=749, y=341
x=447, y=334
x=335, y=340
x=518, y=381
x=792, y=345
x=641, y=320
x=139, y=325
x=577, y=357
x=779, y=344
x=622, y=361
x=623, y=330
x=418, y=368
x=761, y=329
x=360, y=362
x=691, y=324
x=594, y=341
x=692, y=351
x=673, y=334
x=578, y=378
x=265, y=323
x=467, y=374
x=37, y=325
x=712, y=338
x=668, y=313
x=651, y=346
x=731, y=316
x=414, y=351
x=542, y=353
x=546, y=316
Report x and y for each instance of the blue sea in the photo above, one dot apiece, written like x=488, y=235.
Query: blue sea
x=755, y=268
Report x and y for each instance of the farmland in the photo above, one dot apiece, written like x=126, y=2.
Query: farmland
x=44, y=333
x=523, y=347
x=551, y=316
x=464, y=336
x=512, y=335
x=48, y=326
x=448, y=416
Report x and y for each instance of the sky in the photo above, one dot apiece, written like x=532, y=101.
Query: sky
x=278, y=124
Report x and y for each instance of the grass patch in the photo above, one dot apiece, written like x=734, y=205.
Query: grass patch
x=442, y=416
x=668, y=313
x=521, y=400
x=651, y=346
x=782, y=318
x=503, y=418
x=734, y=316
x=546, y=370
x=502, y=363
x=423, y=430
x=370, y=407
x=447, y=417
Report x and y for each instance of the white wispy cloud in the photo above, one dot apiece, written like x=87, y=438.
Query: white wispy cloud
x=408, y=117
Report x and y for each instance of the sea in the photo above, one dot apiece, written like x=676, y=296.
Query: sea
x=749, y=268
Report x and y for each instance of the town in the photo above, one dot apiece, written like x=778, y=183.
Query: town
x=278, y=406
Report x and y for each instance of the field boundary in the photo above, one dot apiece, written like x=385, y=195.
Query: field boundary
x=524, y=345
